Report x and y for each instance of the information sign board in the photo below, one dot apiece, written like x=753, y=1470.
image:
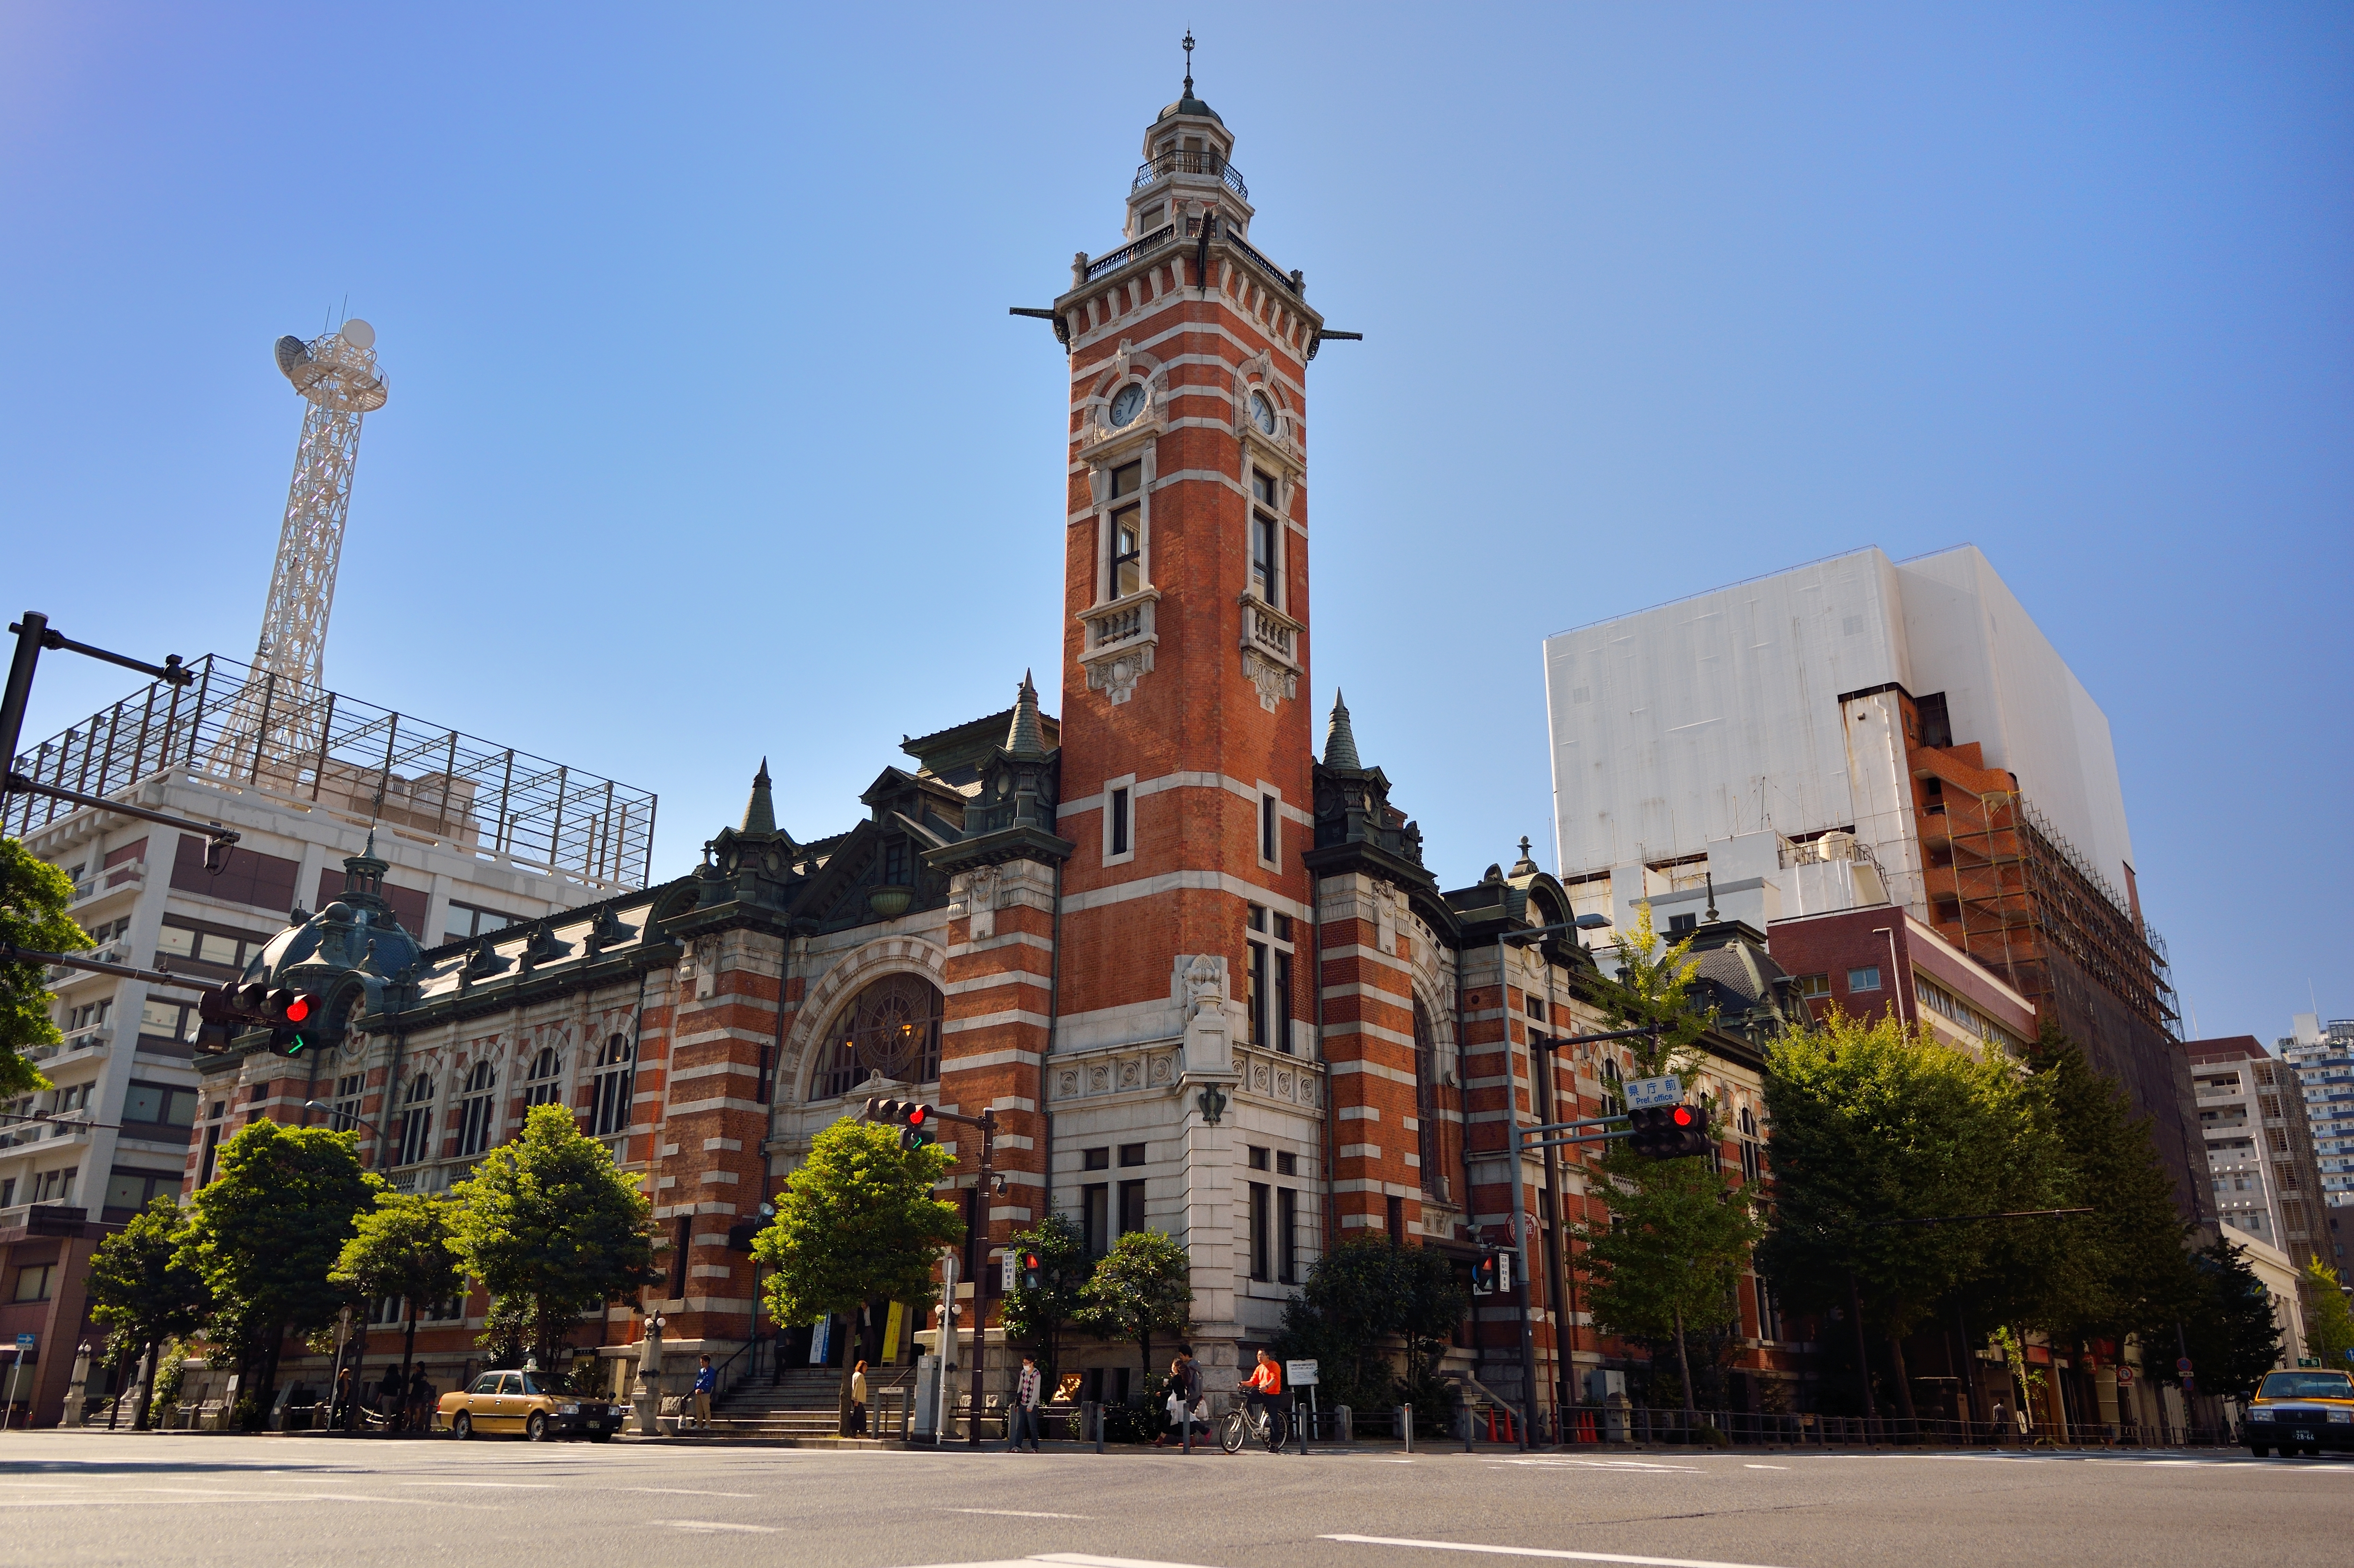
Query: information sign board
x=1650, y=1094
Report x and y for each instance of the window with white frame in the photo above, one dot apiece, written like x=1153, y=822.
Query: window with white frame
x=543, y=1084
x=1127, y=539
x=477, y=1112
x=1266, y=541
x=416, y=1121
x=1268, y=977
x=614, y=1067
x=1120, y=819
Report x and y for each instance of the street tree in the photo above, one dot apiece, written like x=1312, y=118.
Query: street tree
x=551, y=1229
x=1142, y=1287
x=32, y=899
x=1876, y=1125
x=1679, y=1232
x=2230, y=1333
x=856, y=1222
x=1365, y=1301
x=143, y=1293
x=2123, y=1271
x=1671, y=1254
x=1037, y=1317
x=405, y=1247
x=265, y=1235
x=2329, y=1326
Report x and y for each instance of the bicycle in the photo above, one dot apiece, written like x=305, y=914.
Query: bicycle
x=1272, y=1427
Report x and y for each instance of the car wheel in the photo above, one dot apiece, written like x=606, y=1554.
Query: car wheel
x=461, y=1426
x=2260, y=1450
x=536, y=1429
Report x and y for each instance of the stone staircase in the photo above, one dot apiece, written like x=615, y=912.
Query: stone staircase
x=801, y=1405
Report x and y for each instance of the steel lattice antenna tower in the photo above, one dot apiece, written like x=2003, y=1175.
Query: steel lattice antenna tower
x=336, y=373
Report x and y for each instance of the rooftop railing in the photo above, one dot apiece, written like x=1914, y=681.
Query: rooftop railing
x=1191, y=162
x=250, y=730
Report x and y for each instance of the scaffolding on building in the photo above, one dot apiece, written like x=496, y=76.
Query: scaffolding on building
x=238, y=729
x=2021, y=891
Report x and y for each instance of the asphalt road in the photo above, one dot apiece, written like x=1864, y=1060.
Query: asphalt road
x=253, y=1502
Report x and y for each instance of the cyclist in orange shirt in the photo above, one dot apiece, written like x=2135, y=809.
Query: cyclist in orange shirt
x=1264, y=1387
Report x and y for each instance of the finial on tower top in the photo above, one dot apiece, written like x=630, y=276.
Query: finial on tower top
x=1189, y=62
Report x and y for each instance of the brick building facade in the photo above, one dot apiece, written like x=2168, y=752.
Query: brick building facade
x=1199, y=973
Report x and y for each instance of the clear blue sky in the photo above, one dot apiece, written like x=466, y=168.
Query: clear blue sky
x=710, y=437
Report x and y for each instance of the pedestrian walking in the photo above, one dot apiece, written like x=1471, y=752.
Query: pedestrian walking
x=706, y=1383
x=387, y=1396
x=1180, y=1410
x=2001, y=1419
x=420, y=1401
x=1027, y=1388
x=858, y=1399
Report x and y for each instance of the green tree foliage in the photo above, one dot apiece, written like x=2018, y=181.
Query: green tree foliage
x=406, y=1247
x=142, y=1292
x=1367, y=1307
x=2329, y=1326
x=2122, y=1270
x=1873, y=1122
x=1038, y=1317
x=32, y=899
x=1654, y=988
x=2230, y=1333
x=1143, y=1285
x=551, y=1228
x=1679, y=1232
x=1666, y=1265
x=265, y=1235
x=856, y=1222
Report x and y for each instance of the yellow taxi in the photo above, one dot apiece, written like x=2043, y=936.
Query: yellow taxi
x=533, y=1405
x=2301, y=1411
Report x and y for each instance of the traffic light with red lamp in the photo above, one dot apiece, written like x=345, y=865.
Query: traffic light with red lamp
x=1492, y=1274
x=919, y=1123
x=1667, y=1132
x=295, y=1018
x=1031, y=1275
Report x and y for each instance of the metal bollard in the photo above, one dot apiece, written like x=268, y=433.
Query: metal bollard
x=1468, y=1424
x=1406, y=1425
x=1099, y=1425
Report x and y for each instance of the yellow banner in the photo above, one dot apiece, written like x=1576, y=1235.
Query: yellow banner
x=891, y=1332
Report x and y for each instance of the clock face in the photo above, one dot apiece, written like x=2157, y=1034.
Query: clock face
x=1262, y=413
x=1127, y=406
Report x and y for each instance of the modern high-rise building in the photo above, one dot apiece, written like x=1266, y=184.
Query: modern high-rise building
x=1858, y=731
x=2260, y=1152
x=2323, y=1055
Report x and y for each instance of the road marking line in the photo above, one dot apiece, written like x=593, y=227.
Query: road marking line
x=710, y=1525
x=1765, y=1467
x=1088, y=1560
x=687, y=1492
x=1639, y=1465
x=1016, y=1513
x=504, y=1486
x=1544, y=1551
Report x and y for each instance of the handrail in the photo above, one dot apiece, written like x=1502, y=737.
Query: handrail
x=1190, y=162
x=1112, y=262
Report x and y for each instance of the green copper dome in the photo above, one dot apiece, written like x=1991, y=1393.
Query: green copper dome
x=1189, y=104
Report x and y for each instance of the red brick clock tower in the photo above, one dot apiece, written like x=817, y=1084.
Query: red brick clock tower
x=1186, y=738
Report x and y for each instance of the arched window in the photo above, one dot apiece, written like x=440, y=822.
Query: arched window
x=612, y=1112
x=1752, y=1162
x=892, y=1027
x=416, y=1121
x=541, y=1084
x=475, y=1111
x=1426, y=1102
x=1614, y=1098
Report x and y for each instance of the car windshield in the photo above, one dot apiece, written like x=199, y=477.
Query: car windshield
x=2307, y=1386
x=537, y=1382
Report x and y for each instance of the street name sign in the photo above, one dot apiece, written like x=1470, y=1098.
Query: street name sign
x=1651, y=1094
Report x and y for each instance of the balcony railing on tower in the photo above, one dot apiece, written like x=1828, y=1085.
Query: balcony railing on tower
x=1191, y=162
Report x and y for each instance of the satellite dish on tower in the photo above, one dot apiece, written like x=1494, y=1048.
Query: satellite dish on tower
x=358, y=333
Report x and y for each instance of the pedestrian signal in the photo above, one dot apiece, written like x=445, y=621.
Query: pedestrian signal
x=1033, y=1271
x=1491, y=1275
